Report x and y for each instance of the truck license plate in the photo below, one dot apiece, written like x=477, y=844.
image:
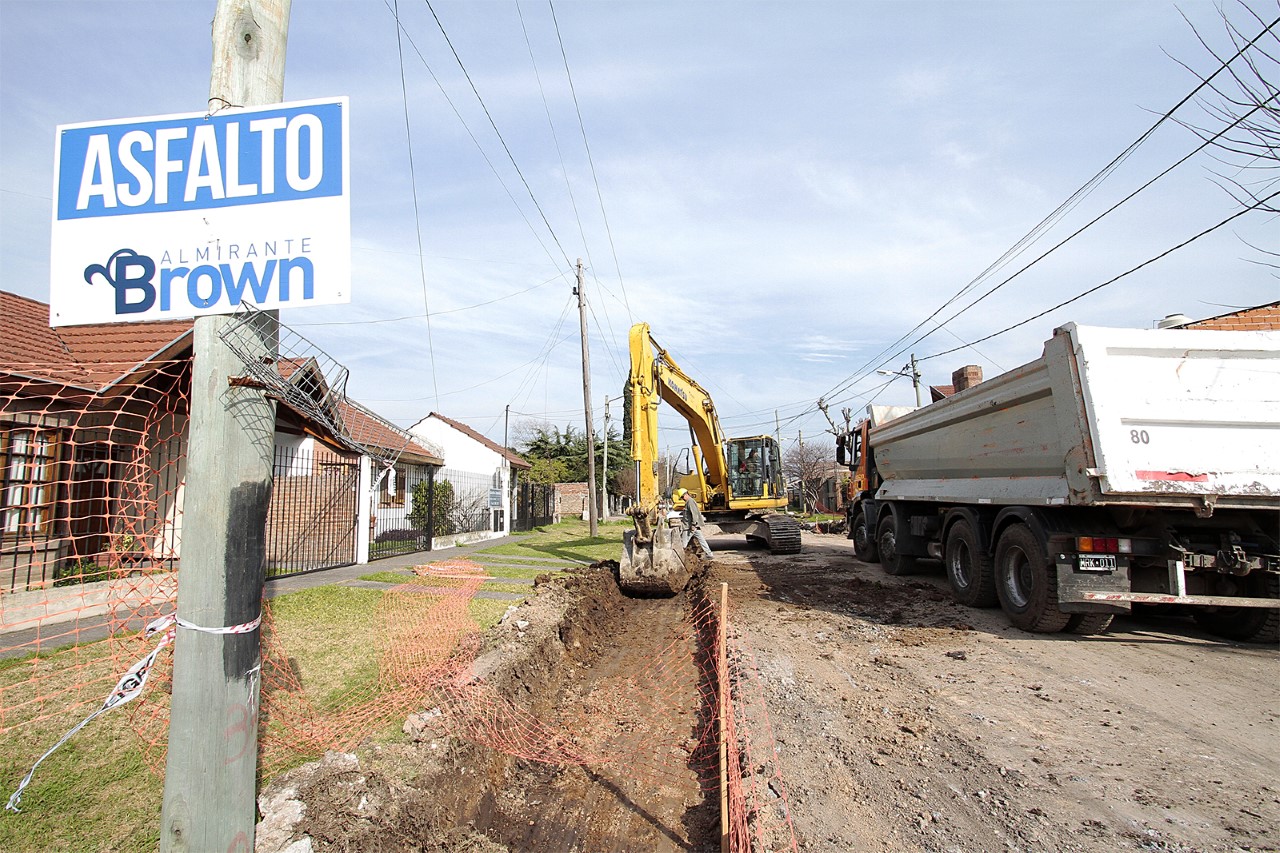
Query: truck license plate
x=1096, y=563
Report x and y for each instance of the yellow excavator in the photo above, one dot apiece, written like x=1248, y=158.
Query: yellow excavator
x=737, y=481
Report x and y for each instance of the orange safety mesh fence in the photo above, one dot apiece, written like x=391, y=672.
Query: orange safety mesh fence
x=90, y=527
x=91, y=515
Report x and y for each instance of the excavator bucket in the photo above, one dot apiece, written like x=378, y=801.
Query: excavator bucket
x=654, y=568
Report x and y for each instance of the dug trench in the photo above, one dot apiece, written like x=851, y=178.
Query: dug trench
x=588, y=725
x=900, y=721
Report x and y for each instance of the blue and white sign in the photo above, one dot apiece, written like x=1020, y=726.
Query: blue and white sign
x=176, y=216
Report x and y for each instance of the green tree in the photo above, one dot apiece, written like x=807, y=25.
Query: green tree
x=562, y=454
x=439, y=496
x=548, y=472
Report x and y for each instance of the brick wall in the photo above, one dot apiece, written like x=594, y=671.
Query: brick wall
x=571, y=500
x=1263, y=318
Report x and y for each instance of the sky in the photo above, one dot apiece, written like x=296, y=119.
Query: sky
x=786, y=192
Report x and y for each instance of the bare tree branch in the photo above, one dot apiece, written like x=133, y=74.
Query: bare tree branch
x=1240, y=111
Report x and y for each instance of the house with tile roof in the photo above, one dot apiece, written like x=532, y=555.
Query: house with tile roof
x=482, y=474
x=93, y=436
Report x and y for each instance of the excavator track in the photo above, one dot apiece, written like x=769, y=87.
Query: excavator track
x=784, y=534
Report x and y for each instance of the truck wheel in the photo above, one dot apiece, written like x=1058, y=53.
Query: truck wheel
x=1026, y=584
x=1088, y=623
x=1246, y=624
x=864, y=544
x=969, y=569
x=890, y=560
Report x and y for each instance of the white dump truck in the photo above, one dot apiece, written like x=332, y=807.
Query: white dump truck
x=1123, y=466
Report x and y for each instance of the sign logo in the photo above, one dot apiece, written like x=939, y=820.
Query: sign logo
x=175, y=216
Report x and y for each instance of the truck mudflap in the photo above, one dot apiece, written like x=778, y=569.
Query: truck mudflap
x=1078, y=584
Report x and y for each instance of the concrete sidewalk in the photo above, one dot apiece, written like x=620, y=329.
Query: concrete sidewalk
x=326, y=577
x=38, y=629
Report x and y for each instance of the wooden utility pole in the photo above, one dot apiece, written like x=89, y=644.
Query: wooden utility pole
x=586, y=402
x=211, y=770
x=604, y=480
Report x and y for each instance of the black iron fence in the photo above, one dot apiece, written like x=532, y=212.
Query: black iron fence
x=462, y=501
x=311, y=523
x=400, y=524
x=535, y=505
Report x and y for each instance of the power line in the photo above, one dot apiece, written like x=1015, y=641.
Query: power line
x=1128, y=272
x=458, y=114
x=555, y=138
x=417, y=220
x=591, y=161
x=1070, y=203
x=557, y=277
x=494, y=125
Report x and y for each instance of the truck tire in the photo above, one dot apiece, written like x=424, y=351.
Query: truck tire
x=1026, y=584
x=1088, y=623
x=864, y=541
x=969, y=570
x=891, y=561
x=1245, y=624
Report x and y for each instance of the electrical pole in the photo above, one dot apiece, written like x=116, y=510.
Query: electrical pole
x=915, y=380
x=586, y=403
x=211, y=768
x=604, y=483
x=804, y=495
x=506, y=419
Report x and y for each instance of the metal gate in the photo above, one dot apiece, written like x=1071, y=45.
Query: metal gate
x=311, y=523
x=535, y=505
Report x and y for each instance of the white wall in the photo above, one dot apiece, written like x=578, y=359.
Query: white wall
x=463, y=453
x=460, y=451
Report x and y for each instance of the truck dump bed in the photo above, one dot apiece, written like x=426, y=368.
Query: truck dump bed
x=1169, y=417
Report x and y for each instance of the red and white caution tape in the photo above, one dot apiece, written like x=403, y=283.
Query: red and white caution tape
x=128, y=688
x=130, y=685
x=165, y=621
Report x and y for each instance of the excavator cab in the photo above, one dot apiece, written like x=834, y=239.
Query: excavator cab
x=755, y=468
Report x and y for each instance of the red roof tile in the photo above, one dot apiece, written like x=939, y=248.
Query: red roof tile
x=370, y=430
x=90, y=357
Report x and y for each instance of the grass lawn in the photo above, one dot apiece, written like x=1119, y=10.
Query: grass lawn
x=97, y=792
x=569, y=541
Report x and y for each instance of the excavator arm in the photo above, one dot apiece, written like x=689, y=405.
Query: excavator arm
x=655, y=377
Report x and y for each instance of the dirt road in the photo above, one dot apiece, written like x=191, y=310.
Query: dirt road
x=907, y=722
x=902, y=722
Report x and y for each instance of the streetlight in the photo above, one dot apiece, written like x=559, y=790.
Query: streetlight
x=911, y=371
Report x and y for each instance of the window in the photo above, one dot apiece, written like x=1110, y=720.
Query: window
x=392, y=491
x=30, y=457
